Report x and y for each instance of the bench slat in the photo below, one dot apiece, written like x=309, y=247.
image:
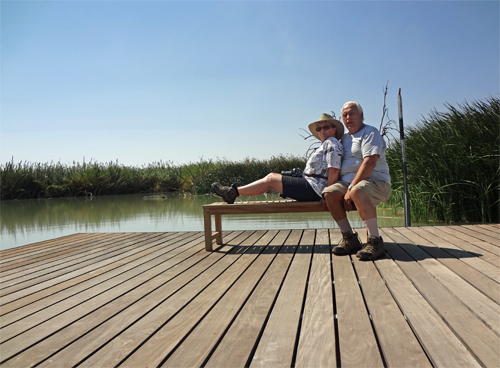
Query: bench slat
x=263, y=207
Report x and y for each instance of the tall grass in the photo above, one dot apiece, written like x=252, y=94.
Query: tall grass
x=35, y=180
x=48, y=180
x=452, y=163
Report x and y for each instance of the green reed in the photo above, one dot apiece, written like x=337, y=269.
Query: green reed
x=50, y=180
x=452, y=163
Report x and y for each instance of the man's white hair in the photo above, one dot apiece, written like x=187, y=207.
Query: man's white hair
x=358, y=106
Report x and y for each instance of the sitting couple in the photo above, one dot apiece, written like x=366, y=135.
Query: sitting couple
x=348, y=171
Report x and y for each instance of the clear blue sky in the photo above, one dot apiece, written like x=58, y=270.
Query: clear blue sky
x=139, y=81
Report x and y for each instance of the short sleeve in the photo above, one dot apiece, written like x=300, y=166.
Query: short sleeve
x=372, y=144
x=333, y=152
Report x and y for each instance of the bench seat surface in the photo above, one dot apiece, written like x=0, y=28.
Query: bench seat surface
x=223, y=208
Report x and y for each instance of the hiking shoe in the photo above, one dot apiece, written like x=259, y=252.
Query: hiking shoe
x=349, y=244
x=373, y=249
x=228, y=194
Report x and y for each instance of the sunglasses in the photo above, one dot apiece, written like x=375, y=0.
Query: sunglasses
x=324, y=127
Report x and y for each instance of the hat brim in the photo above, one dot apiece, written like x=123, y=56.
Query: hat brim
x=338, y=133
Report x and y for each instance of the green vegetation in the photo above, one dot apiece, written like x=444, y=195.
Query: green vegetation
x=49, y=180
x=29, y=180
x=452, y=164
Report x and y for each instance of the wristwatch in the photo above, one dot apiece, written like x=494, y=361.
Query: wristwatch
x=349, y=187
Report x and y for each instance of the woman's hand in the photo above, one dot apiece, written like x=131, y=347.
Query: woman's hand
x=324, y=204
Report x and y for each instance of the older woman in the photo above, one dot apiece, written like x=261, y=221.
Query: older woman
x=322, y=169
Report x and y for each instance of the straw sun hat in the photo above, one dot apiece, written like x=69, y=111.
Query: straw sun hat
x=327, y=118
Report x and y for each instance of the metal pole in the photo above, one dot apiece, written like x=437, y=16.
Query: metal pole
x=403, y=154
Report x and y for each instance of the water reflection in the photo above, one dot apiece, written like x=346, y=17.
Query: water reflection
x=28, y=221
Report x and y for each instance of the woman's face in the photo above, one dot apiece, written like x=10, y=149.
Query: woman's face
x=325, y=130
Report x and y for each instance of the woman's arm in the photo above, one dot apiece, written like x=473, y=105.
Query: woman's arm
x=333, y=176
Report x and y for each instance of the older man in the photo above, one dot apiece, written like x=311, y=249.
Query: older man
x=364, y=182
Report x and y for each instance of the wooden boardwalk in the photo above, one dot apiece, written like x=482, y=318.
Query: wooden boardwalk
x=265, y=299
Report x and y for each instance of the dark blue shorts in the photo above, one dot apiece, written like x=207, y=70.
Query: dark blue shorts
x=298, y=189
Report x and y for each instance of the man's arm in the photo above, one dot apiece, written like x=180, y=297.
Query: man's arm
x=364, y=172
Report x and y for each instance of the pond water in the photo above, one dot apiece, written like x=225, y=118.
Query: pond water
x=29, y=221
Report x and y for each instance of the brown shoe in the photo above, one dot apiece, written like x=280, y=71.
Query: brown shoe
x=349, y=244
x=373, y=249
x=229, y=194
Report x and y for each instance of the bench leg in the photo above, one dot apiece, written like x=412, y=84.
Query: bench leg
x=218, y=229
x=207, y=218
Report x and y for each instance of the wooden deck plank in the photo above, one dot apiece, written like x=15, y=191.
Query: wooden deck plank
x=139, y=333
x=235, y=350
x=34, y=273
x=63, y=290
x=27, y=263
x=64, y=266
x=442, y=346
x=277, y=345
x=33, y=247
x=101, y=328
x=479, y=338
x=7, y=297
x=358, y=345
x=27, y=331
x=317, y=341
x=481, y=305
x=158, y=347
x=14, y=254
x=162, y=299
x=86, y=334
x=489, y=229
x=492, y=225
x=86, y=287
x=473, y=240
x=61, y=268
x=482, y=235
x=53, y=254
x=399, y=345
x=196, y=348
x=483, y=261
x=454, y=260
x=69, y=280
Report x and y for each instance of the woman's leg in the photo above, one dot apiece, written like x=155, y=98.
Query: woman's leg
x=261, y=186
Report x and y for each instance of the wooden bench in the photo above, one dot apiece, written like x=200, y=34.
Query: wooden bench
x=245, y=208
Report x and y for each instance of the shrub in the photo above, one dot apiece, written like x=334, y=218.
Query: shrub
x=452, y=164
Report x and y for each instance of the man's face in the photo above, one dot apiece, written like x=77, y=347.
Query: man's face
x=352, y=119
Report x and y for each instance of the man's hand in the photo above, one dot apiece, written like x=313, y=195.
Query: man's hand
x=348, y=203
x=364, y=172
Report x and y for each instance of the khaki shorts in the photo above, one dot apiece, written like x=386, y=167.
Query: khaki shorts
x=378, y=190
